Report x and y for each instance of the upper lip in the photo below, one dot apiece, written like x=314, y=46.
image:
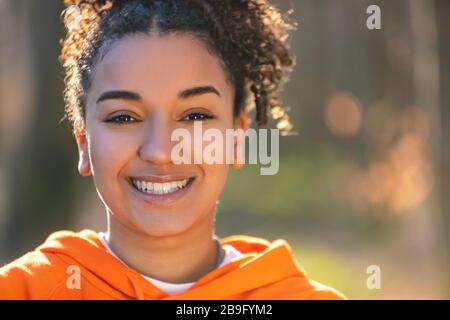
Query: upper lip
x=162, y=178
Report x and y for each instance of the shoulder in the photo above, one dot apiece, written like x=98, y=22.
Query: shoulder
x=298, y=288
x=33, y=276
x=323, y=292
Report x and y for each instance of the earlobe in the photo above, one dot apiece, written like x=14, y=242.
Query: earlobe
x=84, y=164
x=236, y=165
x=240, y=122
x=238, y=147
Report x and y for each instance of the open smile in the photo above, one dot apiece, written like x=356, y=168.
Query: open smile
x=160, y=190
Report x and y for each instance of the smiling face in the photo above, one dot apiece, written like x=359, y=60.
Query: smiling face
x=144, y=88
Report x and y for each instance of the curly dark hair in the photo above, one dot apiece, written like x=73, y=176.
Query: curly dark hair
x=250, y=37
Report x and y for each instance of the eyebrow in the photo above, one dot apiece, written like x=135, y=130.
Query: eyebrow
x=133, y=96
x=197, y=91
x=117, y=94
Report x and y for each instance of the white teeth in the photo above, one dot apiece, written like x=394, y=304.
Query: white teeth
x=160, y=188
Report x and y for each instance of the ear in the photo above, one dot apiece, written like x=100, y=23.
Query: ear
x=240, y=122
x=84, y=163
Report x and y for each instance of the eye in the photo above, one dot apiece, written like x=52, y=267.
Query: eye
x=197, y=116
x=121, y=119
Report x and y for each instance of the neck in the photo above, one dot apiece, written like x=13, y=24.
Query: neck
x=180, y=258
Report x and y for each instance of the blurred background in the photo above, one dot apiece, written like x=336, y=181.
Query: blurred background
x=366, y=181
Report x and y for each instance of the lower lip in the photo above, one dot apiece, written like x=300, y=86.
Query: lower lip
x=161, y=199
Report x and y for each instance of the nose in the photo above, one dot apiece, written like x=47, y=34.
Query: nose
x=156, y=146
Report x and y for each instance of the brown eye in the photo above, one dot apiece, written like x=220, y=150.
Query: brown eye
x=121, y=119
x=197, y=116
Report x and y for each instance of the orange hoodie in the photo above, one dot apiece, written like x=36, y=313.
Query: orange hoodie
x=264, y=271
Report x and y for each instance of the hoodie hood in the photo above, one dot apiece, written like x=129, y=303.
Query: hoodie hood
x=265, y=268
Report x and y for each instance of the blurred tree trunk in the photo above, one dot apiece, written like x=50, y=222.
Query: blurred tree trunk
x=443, y=22
x=37, y=151
x=15, y=93
x=427, y=96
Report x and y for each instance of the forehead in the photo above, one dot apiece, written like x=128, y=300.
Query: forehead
x=164, y=64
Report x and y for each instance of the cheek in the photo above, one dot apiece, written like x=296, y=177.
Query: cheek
x=109, y=152
x=214, y=179
x=214, y=184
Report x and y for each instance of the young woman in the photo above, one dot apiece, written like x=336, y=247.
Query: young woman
x=136, y=71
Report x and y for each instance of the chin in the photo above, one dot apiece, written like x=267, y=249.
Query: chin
x=157, y=226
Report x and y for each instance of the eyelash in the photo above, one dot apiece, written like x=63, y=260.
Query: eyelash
x=116, y=118
x=204, y=115
x=125, y=118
